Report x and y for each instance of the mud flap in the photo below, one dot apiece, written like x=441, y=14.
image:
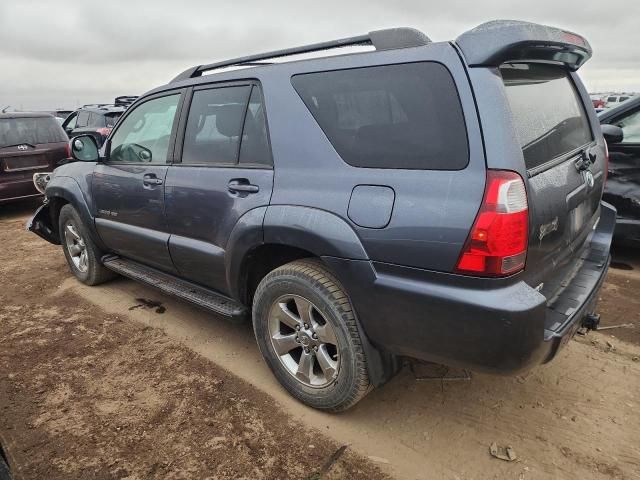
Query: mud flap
x=40, y=224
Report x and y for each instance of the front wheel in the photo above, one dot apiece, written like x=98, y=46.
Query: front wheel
x=83, y=256
x=306, y=330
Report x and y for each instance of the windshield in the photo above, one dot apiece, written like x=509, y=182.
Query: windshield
x=33, y=130
x=547, y=111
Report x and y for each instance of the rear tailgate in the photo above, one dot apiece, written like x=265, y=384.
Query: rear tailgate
x=538, y=121
x=564, y=164
x=24, y=160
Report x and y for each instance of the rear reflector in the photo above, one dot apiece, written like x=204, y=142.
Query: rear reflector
x=497, y=244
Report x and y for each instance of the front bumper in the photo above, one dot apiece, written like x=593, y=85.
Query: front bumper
x=486, y=325
x=40, y=224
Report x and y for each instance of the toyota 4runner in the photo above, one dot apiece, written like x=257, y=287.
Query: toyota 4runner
x=433, y=200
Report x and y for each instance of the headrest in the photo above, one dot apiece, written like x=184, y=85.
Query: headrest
x=229, y=119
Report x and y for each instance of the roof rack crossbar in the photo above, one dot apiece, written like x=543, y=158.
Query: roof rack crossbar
x=388, y=39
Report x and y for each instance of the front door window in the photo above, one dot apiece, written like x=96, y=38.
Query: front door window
x=143, y=136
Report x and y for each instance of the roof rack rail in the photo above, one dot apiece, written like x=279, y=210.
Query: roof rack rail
x=388, y=39
x=95, y=105
x=125, y=100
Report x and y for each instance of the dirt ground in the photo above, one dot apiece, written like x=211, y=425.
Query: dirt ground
x=85, y=394
x=120, y=381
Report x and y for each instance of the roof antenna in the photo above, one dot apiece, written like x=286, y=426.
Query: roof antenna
x=4, y=110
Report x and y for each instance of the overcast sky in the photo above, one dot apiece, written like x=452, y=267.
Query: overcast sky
x=59, y=53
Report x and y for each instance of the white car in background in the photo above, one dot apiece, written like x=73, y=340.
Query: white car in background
x=615, y=100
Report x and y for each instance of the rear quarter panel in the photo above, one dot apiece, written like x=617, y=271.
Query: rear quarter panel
x=433, y=210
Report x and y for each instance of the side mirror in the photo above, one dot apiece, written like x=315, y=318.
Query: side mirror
x=84, y=148
x=612, y=134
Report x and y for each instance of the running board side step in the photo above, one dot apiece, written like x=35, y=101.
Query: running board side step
x=200, y=296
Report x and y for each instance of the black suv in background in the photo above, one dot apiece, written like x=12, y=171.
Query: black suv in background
x=97, y=119
x=623, y=183
x=434, y=200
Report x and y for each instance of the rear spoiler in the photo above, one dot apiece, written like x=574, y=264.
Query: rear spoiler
x=502, y=41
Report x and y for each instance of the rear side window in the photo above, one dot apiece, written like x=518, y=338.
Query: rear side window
x=549, y=117
x=36, y=131
x=395, y=116
x=111, y=119
x=96, y=120
x=83, y=119
x=214, y=126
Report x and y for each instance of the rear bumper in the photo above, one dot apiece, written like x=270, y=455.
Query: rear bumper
x=17, y=189
x=497, y=326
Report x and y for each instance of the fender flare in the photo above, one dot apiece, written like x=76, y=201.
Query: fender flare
x=318, y=231
x=246, y=235
x=67, y=188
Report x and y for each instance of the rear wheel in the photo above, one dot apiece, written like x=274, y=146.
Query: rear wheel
x=306, y=330
x=83, y=256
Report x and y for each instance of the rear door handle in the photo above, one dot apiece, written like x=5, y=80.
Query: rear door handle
x=242, y=185
x=151, y=179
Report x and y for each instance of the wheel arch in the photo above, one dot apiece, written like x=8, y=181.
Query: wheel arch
x=66, y=190
x=269, y=237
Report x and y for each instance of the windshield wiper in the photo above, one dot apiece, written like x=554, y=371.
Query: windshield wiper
x=18, y=144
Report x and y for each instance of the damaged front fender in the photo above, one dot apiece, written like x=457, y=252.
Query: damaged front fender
x=40, y=224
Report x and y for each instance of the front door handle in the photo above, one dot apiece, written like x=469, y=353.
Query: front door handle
x=242, y=185
x=151, y=179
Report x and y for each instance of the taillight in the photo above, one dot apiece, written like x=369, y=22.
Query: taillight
x=497, y=244
x=67, y=150
x=104, y=131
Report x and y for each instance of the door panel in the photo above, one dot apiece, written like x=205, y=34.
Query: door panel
x=130, y=217
x=225, y=172
x=128, y=188
x=202, y=211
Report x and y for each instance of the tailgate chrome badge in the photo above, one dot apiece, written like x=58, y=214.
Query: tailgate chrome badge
x=22, y=147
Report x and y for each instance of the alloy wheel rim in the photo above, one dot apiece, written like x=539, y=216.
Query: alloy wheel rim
x=76, y=247
x=304, y=341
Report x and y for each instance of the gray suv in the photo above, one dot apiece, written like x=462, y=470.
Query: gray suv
x=433, y=200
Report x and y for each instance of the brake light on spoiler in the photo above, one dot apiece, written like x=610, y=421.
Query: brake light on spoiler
x=497, y=243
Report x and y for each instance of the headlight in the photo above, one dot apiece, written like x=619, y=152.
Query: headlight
x=40, y=180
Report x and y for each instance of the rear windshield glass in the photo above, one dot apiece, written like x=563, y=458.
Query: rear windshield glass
x=394, y=116
x=15, y=131
x=111, y=119
x=549, y=117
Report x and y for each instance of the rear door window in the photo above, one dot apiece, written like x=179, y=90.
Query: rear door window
x=83, y=119
x=548, y=115
x=214, y=126
x=111, y=119
x=33, y=130
x=96, y=121
x=405, y=116
x=255, y=139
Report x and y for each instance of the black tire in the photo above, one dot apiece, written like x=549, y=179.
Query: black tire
x=310, y=280
x=94, y=273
